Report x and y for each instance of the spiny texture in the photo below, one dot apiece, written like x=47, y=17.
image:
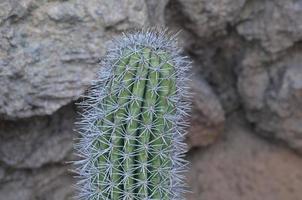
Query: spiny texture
x=133, y=126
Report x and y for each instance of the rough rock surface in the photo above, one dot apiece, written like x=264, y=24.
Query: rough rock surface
x=207, y=117
x=272, y=96
x=218, y=62
x=49, y=183
x=49, y=49
x=254, y=63
x=216, y=59
x=243, y=166
x=37, y=141
x=156, y=11
x=276, y=24
x=34, y=157
x=209, y=19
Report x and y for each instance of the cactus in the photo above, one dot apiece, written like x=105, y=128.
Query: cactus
x=133, y=122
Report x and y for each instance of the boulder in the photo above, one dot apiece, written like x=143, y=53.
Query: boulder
x=38, y=141
x=207, y=117
x=209, y=19
x=275, y=24
x=272, y=97
x=49, y=50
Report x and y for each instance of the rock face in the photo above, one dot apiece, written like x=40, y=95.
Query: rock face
x=246, y=58
x=210, y=18
x=276, y=24
x=49, y=50
x=34, y=155
x=272, y=96
x=37, y=141
x=248, y=52
x=49, y=183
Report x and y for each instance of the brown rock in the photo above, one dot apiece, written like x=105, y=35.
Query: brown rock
x=207, y=119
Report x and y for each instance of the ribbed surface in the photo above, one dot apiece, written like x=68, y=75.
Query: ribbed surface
x=132, y=128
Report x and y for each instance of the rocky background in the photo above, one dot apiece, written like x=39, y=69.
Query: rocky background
x=246, y=133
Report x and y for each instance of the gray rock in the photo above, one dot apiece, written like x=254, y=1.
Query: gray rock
x=207, y=117
x=156, y=11
x=49, y=183
x=276, y=24
x=243, y=166
x=210, y=18
x=14, y=9
x=50, y=56
x=272, y=97
x=218, y=63
x=216, y=55
x=37, y=141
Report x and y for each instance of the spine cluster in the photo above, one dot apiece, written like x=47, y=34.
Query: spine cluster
x=133, y=124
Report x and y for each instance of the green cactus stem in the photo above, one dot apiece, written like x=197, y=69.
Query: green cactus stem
x=132, y=127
